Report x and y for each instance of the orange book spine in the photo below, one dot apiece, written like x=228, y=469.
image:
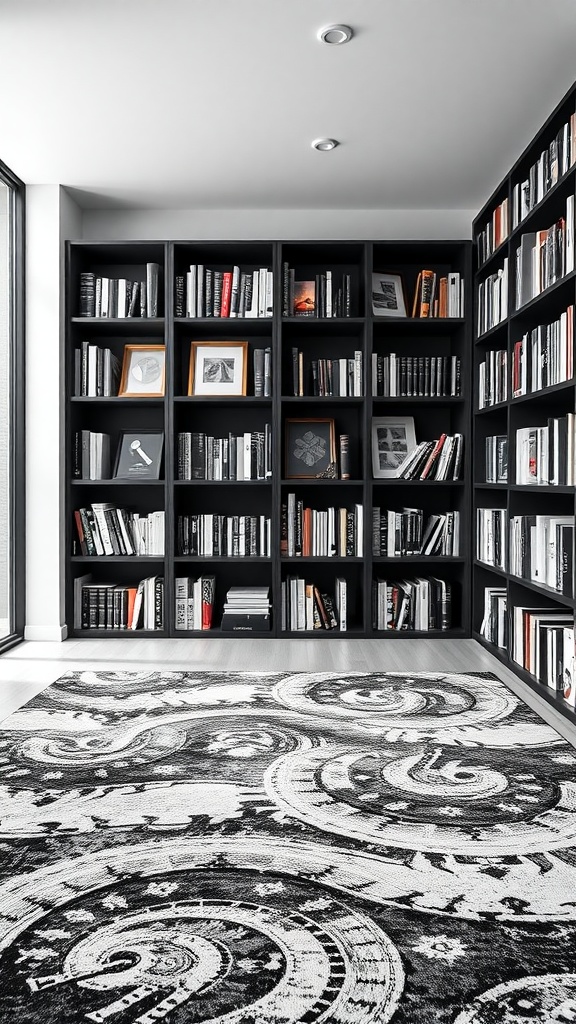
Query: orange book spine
x=226, y=294
x=307, y=533
x=131, y=600
x=417, y=295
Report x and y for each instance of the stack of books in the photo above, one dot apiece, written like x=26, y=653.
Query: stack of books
x=493, y=379
x=546, y=454
x=544, y=356
x=247, y=609
x=323, y=533
x=324, y=296
x=96, y=372
x=415, y=376
x=497, y=459
x=212, y=535
x=491, y=536
x=541, y=550
x=494, y=233
x=543, y=257
x=91, y=457
x=542, y=642
x=335, y=378
x=438, y=296
x=493, y=299
x=494, y=626
x=553, y=162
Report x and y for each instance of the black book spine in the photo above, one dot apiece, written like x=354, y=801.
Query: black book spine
x=179, y=310
x=87, y=294
x=286, y=311
x=159, y=603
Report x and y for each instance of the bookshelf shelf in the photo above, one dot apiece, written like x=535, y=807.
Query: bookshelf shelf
x=351, y=265
x=534, y=332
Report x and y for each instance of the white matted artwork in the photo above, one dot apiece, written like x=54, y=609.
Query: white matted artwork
x=143, y=371
x=393, y=437
x=218, y=368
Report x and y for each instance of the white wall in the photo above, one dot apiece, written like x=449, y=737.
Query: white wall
x=51, y=216
x=275, y=224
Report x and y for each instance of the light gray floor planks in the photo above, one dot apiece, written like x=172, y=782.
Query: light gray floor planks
x=30, y=667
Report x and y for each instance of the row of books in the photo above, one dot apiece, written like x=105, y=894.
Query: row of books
x=408, y=532
x=119, y=297
x=546, y=454
x=491, y=536
x=339, y=378
x=493, y=378
x=424, y=603
x=541, y=550
x=245, y=456
x=326, y=295
x=413, y=376
x=541, y=547
x=542, y=643
x=204, y=292
x=103, y=529
x=494, y=625
x=544, y=356
x=438, y=296
x=324, y=533
x=246, y=608
x=117, y=606
x=440, y=459
x=495, y=231
x=211, y=535
x=553, y=162
x=543, y=257
x=194, y=602
x=304, y=606
x=91, y=455
x=263, y=372
x=497, y=459
x=96, y=372
x=492, y=306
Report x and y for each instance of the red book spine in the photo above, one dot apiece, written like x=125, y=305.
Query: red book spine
x=433, y=456
x=80, y=530
x=226, y=294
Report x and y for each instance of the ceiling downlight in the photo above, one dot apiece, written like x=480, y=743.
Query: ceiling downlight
x=335, y=35
x=325, y=145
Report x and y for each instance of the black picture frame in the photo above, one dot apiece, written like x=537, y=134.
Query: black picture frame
x=132, y=462
x=310, y=448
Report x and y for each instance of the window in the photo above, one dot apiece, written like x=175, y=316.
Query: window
x=11, y=408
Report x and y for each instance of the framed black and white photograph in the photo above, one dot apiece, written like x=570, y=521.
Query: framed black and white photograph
x=310, y=446
x=393, y=437
x=218, y=368
x=139, y=455
x=388, y=295
x=143, y=371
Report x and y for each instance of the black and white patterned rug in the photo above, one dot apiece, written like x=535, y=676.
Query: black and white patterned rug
x=285, y=847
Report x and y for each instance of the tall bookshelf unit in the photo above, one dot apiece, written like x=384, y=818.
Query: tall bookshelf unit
x=531, y=409
x=332, y=337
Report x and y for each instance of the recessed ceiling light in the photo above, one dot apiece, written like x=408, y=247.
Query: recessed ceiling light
x=335, y=35
x=325, y=144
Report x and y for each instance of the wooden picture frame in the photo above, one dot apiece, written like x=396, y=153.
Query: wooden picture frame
x=139, y=455
x=309, y=447
x=218, y=368
x=388, y=295
x=393, y=437
x=143, y=372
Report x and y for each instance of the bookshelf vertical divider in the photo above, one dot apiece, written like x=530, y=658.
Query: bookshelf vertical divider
x=331, y=337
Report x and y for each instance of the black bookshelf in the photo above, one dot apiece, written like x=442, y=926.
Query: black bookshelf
x=322, y=337
x=531, y=409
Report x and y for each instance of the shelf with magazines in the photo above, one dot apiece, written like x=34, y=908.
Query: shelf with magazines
x=250, y=364
x=525, y=427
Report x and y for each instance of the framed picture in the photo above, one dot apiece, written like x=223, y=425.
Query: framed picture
x=218, y=368
x=388, y=295
x=393, y=437
x=310, y=448
x=143, y=371
x=139, y=455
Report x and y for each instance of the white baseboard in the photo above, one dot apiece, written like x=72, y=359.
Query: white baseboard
x=53, y=633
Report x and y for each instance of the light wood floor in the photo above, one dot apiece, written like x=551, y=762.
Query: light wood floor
x=30, y=667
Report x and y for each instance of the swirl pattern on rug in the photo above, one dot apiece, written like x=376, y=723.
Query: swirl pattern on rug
x=288, y=847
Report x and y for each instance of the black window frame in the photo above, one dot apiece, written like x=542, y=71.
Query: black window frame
x=16, y=409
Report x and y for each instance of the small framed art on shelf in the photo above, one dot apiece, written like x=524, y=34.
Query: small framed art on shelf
x=393, y=438
x=139, y=455
x=310, y=448
x=143, y=371
x=218, y=368
x=388, y=295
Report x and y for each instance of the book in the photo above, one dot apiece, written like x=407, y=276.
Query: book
x=304, y=303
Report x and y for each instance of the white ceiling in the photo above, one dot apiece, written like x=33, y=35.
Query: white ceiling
x=190, y=104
